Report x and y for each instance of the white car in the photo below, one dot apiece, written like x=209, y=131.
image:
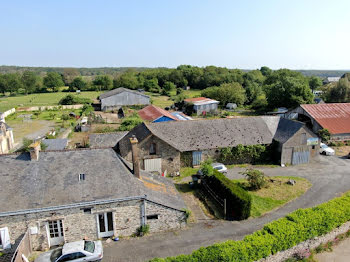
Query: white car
x=326, y=150
x=219, y=167
x=75, y=251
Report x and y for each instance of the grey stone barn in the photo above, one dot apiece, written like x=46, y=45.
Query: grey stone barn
x=165, y=147
x=119, y=97
x=70, y=195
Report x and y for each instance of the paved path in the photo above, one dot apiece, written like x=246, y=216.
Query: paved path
x=330, y=177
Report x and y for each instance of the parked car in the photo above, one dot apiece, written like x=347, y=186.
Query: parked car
x=74, y=251
x=219, y=167
x=326, y=150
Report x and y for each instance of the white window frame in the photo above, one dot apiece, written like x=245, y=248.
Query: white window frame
x=5, y=238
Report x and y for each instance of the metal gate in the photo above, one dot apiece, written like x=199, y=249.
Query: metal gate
x=301, y=155
x=196, y=158
x=154, y=164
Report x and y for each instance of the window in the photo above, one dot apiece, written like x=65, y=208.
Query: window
x=70, y=257
x=152, y=217
x=89, y=246
x=81, y=177
x=87, y=210
x=152, y=149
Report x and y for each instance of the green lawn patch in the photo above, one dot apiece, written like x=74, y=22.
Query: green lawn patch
x=186, y=172
x=42, y=99
x=276, y=194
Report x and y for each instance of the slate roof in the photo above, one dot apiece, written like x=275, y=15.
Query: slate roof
x=118, y=91
x=55, y=144
x=218, y=133
x=151, y=113
x=210, y=134
x=334, y=116
x=286, y=129
x=53, y=180
x=106, y=139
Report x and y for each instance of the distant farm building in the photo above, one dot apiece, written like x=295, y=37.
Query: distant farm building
x=203, y=105
x=119, y=97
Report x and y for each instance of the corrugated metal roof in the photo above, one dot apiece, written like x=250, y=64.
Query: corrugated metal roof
x=151, y=113
x=201, y=100
x=118, y=91
x=334, y=117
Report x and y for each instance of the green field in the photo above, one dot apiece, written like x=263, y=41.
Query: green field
x=44, y=99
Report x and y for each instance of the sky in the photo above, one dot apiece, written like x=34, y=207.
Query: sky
x=298, y=34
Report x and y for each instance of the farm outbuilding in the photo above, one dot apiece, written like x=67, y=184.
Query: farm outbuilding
x=334, y=117
x=119, y=97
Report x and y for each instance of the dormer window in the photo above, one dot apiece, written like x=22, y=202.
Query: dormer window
x=81, y=177
x=153, y=149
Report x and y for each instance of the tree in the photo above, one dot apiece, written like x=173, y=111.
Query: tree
x=30, y=81
x=53, y=80
x=265, y=70
x=103, y=82
x=12, y=83
x=169, y=86
x=315, y=82
x=340, y=92
x=78, y=84
x=286, y=88
x=226, y=93
x=253, y=81
x=151, y=85
x=69, y=74
x=178, y=78
x=128, y=80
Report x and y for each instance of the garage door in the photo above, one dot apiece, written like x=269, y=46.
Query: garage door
x=154, y=164
x=301, y=155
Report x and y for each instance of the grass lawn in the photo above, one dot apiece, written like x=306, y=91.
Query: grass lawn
x=275, y=194
x=192, y=93
x=160, y=101
x=43, y=99
x=186, y=172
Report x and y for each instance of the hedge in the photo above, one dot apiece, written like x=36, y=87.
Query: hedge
x=279, y=235
x=238, y=201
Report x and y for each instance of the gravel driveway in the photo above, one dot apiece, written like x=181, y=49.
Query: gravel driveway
x=330, y=177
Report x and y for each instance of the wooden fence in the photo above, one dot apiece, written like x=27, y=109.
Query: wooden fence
x=24, y=248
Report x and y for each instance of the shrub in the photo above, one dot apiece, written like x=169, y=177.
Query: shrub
x=206, y=167
x=130, y=122
x=73, y=100
x=238, y=201
x=244, y=154
x=142, y=230
x=187, y=214
x=324, y=134
x=255, y=178
x=276, y=236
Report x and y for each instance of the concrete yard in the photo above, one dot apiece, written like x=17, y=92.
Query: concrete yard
x=329, y=175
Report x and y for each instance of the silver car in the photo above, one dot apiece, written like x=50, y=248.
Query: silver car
x=75, y=251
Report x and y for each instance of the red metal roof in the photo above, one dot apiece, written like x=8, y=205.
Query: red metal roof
x=151, y=113
x=335, y=117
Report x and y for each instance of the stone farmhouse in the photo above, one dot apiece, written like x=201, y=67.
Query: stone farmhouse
x=165, y=147
x=334, y=116
x=6, y=138
x=64, y=196
x=119, y=97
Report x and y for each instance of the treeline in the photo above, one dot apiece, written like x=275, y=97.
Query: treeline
x=262, y=89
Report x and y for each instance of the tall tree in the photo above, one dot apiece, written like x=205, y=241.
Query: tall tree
x=69, y=74
x=77, y=84
x=315, y=82
x=103, y=82
x=286, y=88
x=30, y=81
x=226, y=93
x=53, y=80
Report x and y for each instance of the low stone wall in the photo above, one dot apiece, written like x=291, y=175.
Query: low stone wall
x=37, y=108
x=307, y=245
x=7, y=113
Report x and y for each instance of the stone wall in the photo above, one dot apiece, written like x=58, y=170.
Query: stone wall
x=37, y=108
x=80, y=223
x=169, y=155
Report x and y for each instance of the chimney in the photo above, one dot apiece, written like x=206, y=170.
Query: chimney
x=135, y=156
x=34, y=150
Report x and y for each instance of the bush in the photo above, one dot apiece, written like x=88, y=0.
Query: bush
x=325, y=135
x=238, y=201
x=142, y=230
x=73, y=100
x=255, y=178
x=206, y=168
x=130, y=122
x=276, y=236
x=245, y=154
